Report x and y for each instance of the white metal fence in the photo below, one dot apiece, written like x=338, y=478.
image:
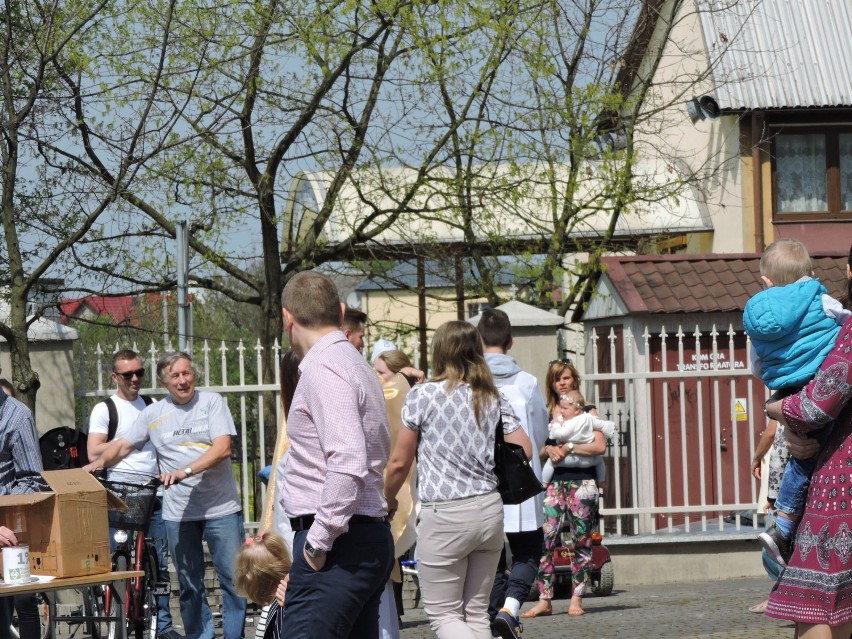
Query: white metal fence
x=687, y=410
x=688, y=414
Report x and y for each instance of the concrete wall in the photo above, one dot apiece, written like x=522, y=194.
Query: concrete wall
x=533, y=349
x=54, y=363
x=665, y=562
x=658, y=561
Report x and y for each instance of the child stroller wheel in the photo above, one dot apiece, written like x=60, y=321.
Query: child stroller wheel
x=604, y=587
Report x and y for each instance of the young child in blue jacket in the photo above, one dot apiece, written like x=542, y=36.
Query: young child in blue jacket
x=792, y=325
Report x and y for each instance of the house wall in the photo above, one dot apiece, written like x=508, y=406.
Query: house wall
x=394, y=315
x=54, y=363
x=719, y=153
x=709, y=154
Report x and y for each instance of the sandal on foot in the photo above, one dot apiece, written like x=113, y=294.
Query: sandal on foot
x=759, y=608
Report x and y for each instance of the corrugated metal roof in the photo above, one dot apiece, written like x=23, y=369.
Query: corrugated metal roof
x=779, y=53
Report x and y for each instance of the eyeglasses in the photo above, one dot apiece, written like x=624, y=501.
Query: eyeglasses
x=140, y=373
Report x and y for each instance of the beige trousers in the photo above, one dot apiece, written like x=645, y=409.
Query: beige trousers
x=458, y=547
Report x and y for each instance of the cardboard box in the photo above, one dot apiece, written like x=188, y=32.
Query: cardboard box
x=65, y=528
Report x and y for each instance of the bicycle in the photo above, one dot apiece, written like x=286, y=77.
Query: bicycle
x=133, y=551
x=79, y=616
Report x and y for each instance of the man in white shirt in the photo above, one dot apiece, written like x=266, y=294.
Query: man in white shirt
x=139, y=466
x=523, y=522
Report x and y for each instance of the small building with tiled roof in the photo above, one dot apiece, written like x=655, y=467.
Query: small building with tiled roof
x=51, y=346
x=666, y=357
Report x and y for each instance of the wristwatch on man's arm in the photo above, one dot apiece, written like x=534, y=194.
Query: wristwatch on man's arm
x=313, y=553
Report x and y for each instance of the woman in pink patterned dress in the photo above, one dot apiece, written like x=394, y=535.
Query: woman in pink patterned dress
x=815, y=590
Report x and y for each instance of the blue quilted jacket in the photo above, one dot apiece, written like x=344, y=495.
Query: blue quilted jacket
x=790, y=332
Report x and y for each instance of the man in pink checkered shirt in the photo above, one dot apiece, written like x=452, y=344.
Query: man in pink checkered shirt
x=332, y=487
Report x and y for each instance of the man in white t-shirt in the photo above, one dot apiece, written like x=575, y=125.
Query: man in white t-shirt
x=522, y=522
x=105, y=424
x=191, y=431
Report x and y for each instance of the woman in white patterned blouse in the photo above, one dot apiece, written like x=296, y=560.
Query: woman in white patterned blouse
x=450, y=424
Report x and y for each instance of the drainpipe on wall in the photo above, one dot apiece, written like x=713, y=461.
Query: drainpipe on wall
x=757, y=179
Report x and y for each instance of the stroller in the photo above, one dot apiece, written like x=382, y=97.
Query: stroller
x=602, y=575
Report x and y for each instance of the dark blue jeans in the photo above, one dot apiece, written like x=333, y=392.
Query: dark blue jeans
x=793, y=490
x=341, y=600
x=224, y=536
x=526, y=554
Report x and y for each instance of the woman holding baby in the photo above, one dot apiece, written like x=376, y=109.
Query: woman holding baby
x=572, y=494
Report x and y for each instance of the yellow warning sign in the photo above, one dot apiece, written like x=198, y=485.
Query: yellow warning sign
x=740, y=412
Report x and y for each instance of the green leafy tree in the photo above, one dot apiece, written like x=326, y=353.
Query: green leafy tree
x=39, y=231
x=415, y=117
x=231, y=104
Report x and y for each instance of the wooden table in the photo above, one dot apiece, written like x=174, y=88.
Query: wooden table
x=116, y=579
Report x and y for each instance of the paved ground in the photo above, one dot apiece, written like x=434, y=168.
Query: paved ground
x=707, y=610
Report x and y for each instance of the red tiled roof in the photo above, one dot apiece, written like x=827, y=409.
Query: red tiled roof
x=120, y=309
x=703, y=283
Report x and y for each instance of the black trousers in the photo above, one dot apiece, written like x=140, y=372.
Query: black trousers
x=341, y=600
x=27, y=608
x=526, y=554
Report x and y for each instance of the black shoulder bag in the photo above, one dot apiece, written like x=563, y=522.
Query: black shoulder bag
x=516, y=480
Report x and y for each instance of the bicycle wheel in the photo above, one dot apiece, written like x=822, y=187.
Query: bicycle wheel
x=104, y=603
x=145, y=600
x=92, y=608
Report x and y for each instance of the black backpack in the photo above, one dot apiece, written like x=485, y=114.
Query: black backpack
x=113, y=415
x=63, y=447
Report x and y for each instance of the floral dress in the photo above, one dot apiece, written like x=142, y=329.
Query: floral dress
x=816, y=586
x=778, y=456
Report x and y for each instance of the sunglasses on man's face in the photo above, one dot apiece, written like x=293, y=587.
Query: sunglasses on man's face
x=140, y=373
